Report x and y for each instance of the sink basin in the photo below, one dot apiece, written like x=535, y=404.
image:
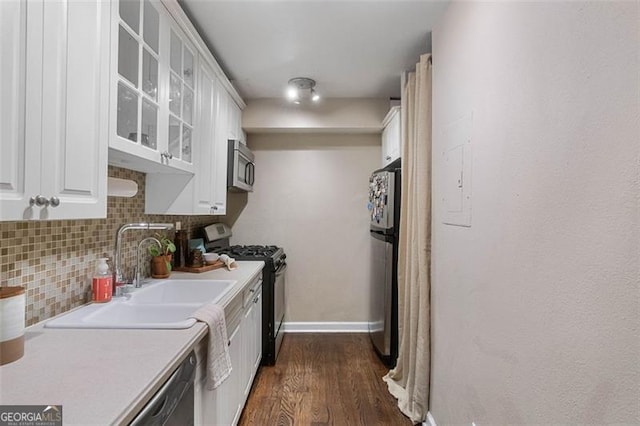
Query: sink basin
x=166, y=304
x=121, y=314
x=181, y=291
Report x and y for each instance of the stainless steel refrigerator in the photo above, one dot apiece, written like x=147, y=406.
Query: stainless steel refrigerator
x=384, y=209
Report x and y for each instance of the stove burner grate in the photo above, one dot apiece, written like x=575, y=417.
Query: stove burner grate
x=257, y=251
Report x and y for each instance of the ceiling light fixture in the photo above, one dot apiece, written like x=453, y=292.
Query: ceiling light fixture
x=292, y=93
x=301, y=88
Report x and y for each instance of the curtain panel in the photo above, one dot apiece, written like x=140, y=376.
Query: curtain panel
x=409, y=380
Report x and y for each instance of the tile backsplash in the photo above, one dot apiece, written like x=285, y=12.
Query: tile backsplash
x=55, y=260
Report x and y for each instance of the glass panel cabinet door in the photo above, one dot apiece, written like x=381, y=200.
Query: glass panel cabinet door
x=153, y=88
x=181, y=98
x=138, y=77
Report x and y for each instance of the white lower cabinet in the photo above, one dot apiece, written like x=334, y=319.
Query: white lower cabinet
x=224, y=405
x=253, y=352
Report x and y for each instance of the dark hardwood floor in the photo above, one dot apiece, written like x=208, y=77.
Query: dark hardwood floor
x=323, y=379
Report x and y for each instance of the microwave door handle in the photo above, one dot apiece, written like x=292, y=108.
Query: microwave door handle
x=246, y=173
x=253, y=173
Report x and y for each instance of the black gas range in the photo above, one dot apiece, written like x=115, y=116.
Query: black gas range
x=273, y=283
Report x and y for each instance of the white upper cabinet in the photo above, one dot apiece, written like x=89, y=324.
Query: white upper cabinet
x=391, y=140
x=213, y=183
x=225, y=101
x=235, y=121
x=203, y=110
x=182, y=86
x=53, y=112
x=153, y=84
x=204, y=193
x=207, y=125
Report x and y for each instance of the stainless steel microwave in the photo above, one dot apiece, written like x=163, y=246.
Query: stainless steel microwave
x=240, y=167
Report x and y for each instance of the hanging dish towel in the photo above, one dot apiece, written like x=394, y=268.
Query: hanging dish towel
x=218, y=359
x=229, y=262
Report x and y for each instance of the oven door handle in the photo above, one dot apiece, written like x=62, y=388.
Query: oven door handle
x=281, y=269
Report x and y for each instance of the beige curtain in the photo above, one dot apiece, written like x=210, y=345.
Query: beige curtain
x=409, y=381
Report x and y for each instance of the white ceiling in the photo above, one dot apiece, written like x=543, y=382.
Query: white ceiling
x=353, y=49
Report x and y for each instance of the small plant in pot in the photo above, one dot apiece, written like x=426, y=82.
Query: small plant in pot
x=161, y=261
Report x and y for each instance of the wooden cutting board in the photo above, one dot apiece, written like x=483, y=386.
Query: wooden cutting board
x=215, y=265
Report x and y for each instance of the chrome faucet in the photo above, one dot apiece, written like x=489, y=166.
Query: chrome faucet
x=137, y=283
x=117, y=262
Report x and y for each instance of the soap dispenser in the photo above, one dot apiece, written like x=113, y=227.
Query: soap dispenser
x=102, y=284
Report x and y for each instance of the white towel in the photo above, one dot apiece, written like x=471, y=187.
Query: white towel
x=229, y=262
x=218, y=359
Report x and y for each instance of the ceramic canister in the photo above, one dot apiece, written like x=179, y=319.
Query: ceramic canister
x=12, y=304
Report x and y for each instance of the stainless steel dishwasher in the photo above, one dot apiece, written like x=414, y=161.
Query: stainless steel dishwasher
x=173, y=403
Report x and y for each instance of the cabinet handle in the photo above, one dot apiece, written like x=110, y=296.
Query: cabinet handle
x=54, y=201
x=388, y=157
x=39, y=201
x=167, y=155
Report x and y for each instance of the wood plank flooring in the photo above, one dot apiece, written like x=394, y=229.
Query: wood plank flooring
x=323, y=379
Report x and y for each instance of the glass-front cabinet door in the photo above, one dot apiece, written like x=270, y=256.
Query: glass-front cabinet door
x=153, y=87
x=138, y=57
x=181, y=98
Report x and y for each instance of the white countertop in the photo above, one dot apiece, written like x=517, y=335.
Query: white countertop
x=105, y=376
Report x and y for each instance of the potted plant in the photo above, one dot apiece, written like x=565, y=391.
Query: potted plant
x=161, y=260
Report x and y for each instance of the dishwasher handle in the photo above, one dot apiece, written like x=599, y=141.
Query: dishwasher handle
x=164, y=402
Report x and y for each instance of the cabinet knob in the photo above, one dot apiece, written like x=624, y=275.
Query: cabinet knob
x=54, y=201
x=39, y=201
x=388, y=157
x=167, y=155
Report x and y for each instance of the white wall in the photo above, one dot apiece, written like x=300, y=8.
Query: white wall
x=536, y=305
x=310, y=197
x=333, y=115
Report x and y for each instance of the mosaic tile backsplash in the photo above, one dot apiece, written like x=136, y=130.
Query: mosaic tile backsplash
x=55, y=260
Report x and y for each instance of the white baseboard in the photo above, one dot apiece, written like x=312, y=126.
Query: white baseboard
x=325, y=327
x=430, y=420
